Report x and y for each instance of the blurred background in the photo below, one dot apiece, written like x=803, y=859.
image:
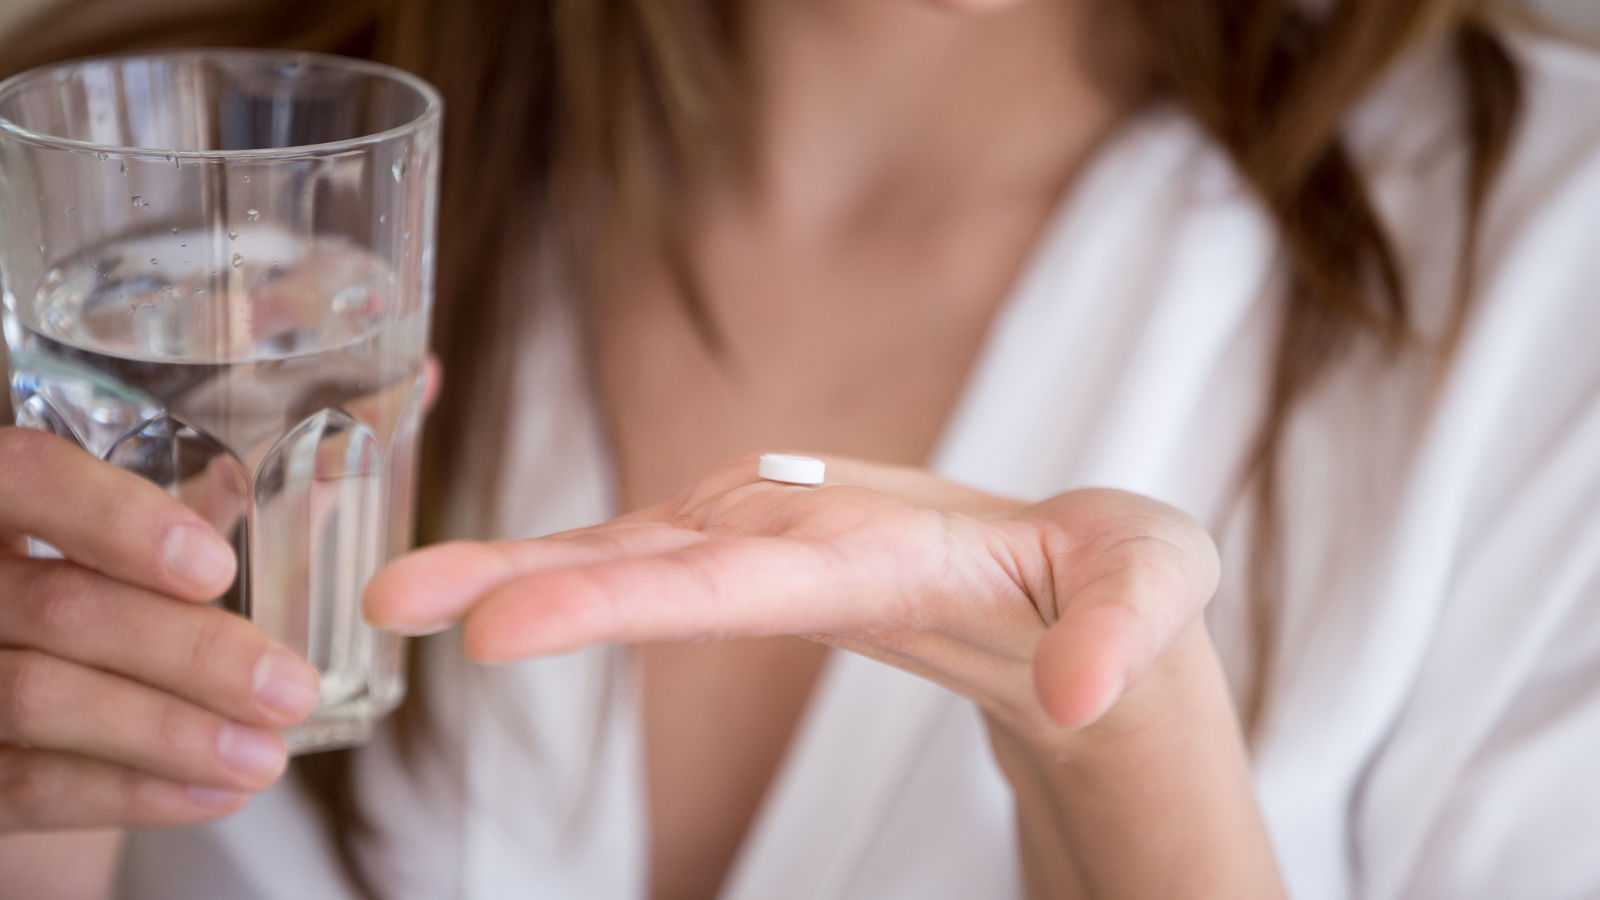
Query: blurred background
x=1580, y=18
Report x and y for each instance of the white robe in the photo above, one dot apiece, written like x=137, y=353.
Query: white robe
x=1433, y=730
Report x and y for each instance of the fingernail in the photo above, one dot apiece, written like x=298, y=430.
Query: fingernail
x=199, y=557
x=285, y=683
x=214, y=798
x=250, y=750
x=416, y=629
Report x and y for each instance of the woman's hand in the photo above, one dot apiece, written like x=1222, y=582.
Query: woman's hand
x=1074, y=623
x=125, y=700
x=1045, y=615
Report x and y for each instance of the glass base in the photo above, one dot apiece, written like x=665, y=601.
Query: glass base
x=344, y=725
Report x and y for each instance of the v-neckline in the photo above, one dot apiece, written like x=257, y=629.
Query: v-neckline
x=888, y=716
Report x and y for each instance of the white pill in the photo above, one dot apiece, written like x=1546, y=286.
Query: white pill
x=790, y=469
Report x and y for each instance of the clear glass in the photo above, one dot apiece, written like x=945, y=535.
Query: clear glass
x=217, y=270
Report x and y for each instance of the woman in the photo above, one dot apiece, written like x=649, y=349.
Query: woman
x=1318, y=285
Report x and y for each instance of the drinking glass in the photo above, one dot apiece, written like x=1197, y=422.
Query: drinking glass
x=217, y=272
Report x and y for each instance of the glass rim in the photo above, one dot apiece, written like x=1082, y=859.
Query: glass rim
x=433, y=104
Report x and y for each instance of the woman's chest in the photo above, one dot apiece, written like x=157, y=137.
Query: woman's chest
x=819, y=361
x=796, y=367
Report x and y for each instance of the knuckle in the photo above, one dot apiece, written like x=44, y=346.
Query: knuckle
x=130, y=791
x=59, y=602
x=27, y=694
x=13, y=779
x=210, y=642
x=173, y=729
x=20, y=449
x=29, y=793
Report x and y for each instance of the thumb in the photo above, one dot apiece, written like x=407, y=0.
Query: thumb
x=1085, y=662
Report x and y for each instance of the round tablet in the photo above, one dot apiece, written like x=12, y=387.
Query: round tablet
x=789, y=469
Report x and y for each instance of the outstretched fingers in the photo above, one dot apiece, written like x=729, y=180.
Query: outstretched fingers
x=729, y=587
x=430, y=590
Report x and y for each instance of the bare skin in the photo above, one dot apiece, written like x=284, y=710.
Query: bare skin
x=854, y=258
x=906, y=160
x=864, y=247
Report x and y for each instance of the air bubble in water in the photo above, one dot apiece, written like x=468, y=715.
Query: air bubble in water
x=238, y=260
x=252, y=214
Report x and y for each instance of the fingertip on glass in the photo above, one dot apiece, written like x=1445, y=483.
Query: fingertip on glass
x=200, y=558
x=286, y=684
x=251, y=752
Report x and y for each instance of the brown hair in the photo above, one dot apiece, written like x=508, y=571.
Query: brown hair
x=598, y=106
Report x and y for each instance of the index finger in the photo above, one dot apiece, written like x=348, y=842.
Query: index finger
x=106, y=519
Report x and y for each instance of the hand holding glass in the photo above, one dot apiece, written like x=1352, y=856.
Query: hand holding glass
x=217, y=273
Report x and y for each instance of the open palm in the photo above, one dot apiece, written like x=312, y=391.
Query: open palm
x=1029, y=610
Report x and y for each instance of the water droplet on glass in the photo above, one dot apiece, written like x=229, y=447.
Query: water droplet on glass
x=68, y=210
x=233, y=235
x=238, y=260
x=252, y=214
x=173, y=158
x=138, y=201
x=102, y=155
x=174, y=230
x=41, y=248
x=122, y=166
x=398, y=170
x=407, y=235
x=166, y=291
x=383, y=219
x=247, y=179
x=183, y=244
x=154, y=261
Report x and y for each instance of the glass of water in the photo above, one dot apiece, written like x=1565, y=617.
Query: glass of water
x=217, y=272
